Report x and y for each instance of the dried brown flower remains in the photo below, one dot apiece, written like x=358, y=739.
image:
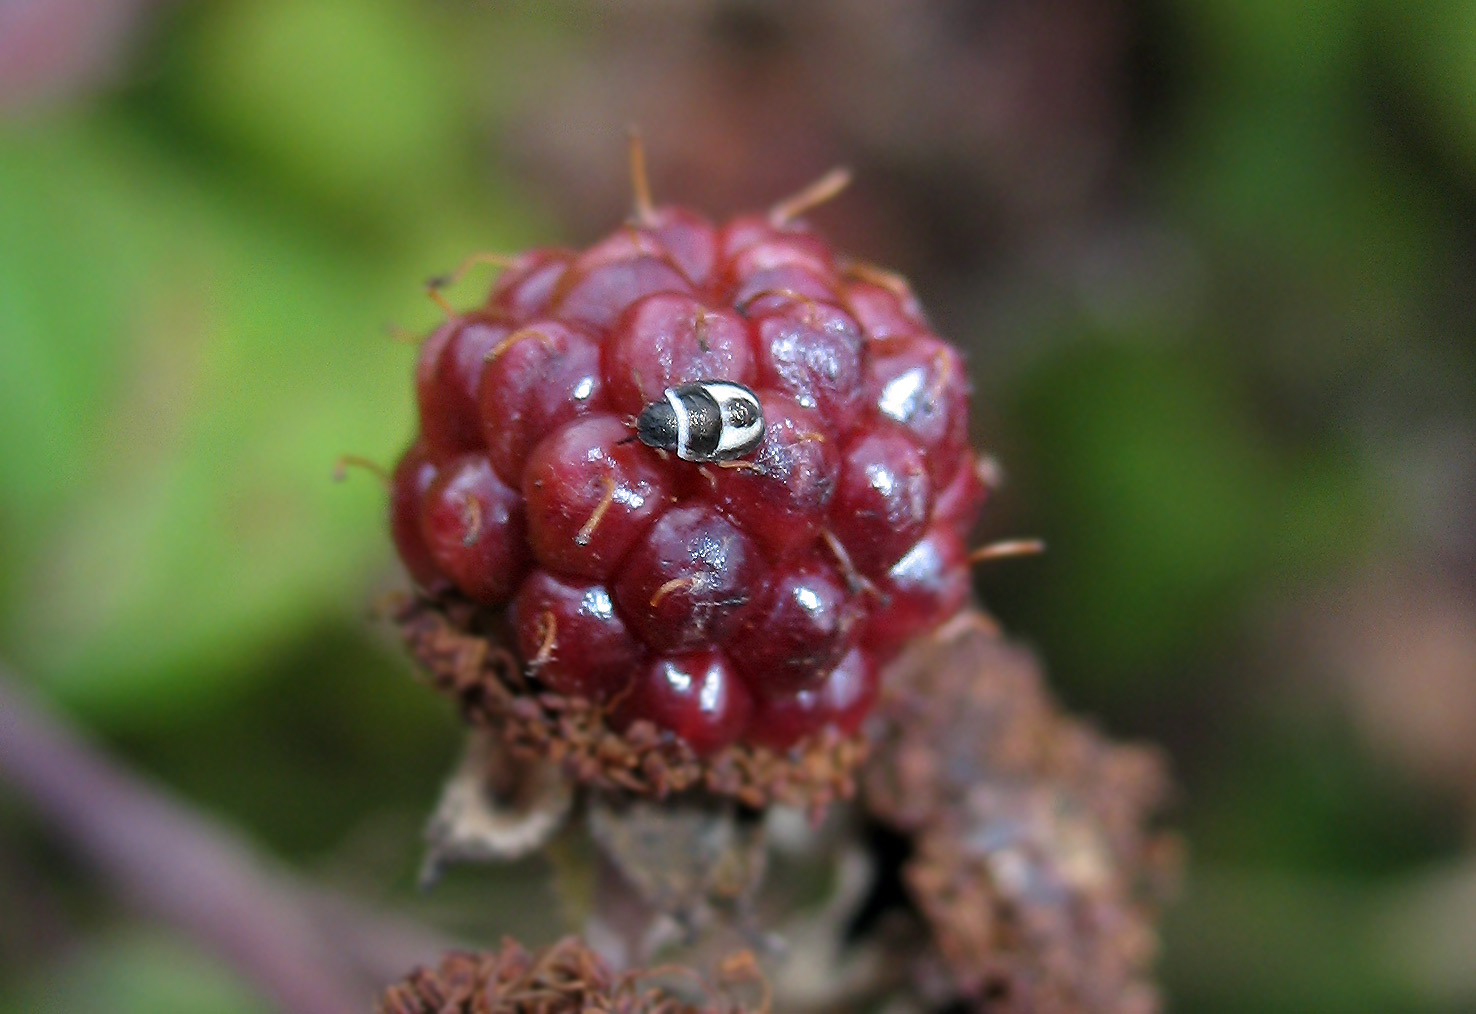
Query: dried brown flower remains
x=1032, y=858
x=470, y=665
x=568, y=978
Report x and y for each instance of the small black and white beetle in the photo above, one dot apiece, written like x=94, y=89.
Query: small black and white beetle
x=710, y=420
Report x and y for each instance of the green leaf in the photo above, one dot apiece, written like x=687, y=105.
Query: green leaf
x=184, y=376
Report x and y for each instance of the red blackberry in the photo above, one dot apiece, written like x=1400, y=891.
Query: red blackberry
x=446, y=381
x=572, y=637
x=743, y=601
x=591, y=493
x=473, y=527
x=670, y=339
x=687, y=581
x=411, y=478
x=697, y=695
x=799, y=627
x=931, y=580
x=841, y=700
x=533, y=381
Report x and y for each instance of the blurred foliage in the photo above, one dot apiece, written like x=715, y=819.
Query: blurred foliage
x=198, y=265
x=133, y=971
x=189, y=355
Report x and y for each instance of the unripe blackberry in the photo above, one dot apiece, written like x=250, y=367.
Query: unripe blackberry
x=533, y=381
x=473, y=526
x=684, y=585
x=885, y=500
x=447, y=378
x=698, y=696
x=842, y=699
x=670, y=339
x=411, y=478
x=572, y=637
x=798, y=627
x=591, y=493
x=748, y=602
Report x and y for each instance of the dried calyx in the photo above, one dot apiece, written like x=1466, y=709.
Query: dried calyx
x=569, y=978
x=1000, y=856
x=536, y=726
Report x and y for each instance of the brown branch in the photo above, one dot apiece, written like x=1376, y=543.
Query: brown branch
x=309, y=951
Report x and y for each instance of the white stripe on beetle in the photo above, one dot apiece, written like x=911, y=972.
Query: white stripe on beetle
x=684, y=425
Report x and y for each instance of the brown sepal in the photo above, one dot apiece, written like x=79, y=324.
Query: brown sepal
x=567, y=978
x=466, y=660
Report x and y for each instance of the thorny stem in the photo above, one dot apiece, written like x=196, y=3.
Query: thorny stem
x=309, y=951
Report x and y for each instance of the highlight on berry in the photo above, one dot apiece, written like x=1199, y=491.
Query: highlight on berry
x=710, y=420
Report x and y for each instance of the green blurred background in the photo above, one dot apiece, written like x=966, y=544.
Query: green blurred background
x=1212, y=264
